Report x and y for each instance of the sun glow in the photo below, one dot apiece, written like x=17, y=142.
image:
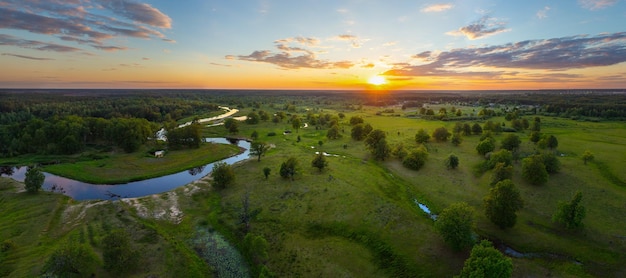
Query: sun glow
x=377, y=80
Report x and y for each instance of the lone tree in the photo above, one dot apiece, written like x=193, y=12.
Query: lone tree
x=587, y=156
x=455, y=224
x=477, y=129
x=441, y=134
x=267, y=171
x=452, y=161
x=571, y=214
x=319, y=161
x=258, y=149
x=502, y=203
x=333, y=132
x=422, y=136
x=222, y=174
x=296, y=123
x=288, y=168
x=376, y=142
x=486, y=261
x=33, y=180
x=511, y=142
x=485, y=146
x=416, y=159
x=456, y=139
x=534, y=171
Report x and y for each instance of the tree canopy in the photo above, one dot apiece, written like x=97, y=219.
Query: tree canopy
x=34, y=179
x=571, y=214
x=534, y=171
x=486, y=261
x=319, y=161
x=258, y=149
x=422, y=136
x=502, y=204
x=223, y=175
x=416, y=158
x=288, y=168
x=455, y=224
x=441, y=134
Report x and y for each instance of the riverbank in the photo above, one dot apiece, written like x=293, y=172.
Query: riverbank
x=122, y=167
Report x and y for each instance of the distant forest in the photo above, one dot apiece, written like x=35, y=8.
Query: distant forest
x=66, y=121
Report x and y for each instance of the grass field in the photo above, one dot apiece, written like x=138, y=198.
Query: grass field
x=126, y=167
x=357, y=217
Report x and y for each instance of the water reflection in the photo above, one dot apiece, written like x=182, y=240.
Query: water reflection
x=86, y=191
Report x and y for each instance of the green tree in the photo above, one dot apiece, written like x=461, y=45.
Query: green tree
x=118, y=253
x=587, y=156
x=535, y=136
x=223, y=175
x=333, y=132
x=377, y=144
x=504, y=156
x=71, y=260
x=231, y=125
x=355, y=120
x=502, y=204
x=534, y=171
x=552, y=143
x=456, y=139
x=455, y=224
x=399, y=151
x=33, y=179
x=254, y=135
x=552, y=163
x=452, y=161
x=485, y=146
x=319, y=161
x=296, y=123
x=259, y=149
x=511, y=142
x=501, y=172
x=467, y=129
x=253, y=118
x=256, y=247
x=476, y=129
x=441, y=134
x=288, y=168
x=266, y=172
x=416, y=159
x=358, y=132
x=422, y=136
x=486, y=261
x=571, y=214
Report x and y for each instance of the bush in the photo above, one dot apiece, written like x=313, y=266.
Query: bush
x=534, y=171
x=222, y=174
x=452, y=161
x=416, y=159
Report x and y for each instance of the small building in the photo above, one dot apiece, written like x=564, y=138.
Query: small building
x=159, y=153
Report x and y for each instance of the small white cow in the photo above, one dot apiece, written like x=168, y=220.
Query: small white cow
x=159, y=153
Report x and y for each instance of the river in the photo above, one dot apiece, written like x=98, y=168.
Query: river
x=86, y=191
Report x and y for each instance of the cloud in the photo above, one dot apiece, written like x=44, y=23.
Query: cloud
x=543, y=13
x=109, y=48
x=594, y=5
x=557, y=54
x=485, y=26
x=354, y=40
x=437, y=8
x=84, y=22
x=27, y=57
x=36, y=45
x=291, y=58
x=301, y=40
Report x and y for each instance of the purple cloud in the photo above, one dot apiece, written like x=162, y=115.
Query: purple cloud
x=555, y=54
x=37, y=45
x=27, y=57
x=82, y=22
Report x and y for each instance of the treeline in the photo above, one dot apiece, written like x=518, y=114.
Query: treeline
x=70, y=135
x=156, y=107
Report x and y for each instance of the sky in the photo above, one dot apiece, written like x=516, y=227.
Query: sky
x=306, y=44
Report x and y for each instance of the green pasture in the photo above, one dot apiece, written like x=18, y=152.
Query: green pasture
x=115, y=168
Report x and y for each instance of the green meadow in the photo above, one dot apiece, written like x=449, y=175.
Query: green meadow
x=358, y=217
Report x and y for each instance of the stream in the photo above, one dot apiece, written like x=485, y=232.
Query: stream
x=86, y=191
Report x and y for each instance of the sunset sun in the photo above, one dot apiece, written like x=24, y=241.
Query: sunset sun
x=377, y=80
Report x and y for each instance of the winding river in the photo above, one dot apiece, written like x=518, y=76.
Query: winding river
x=87, y=191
